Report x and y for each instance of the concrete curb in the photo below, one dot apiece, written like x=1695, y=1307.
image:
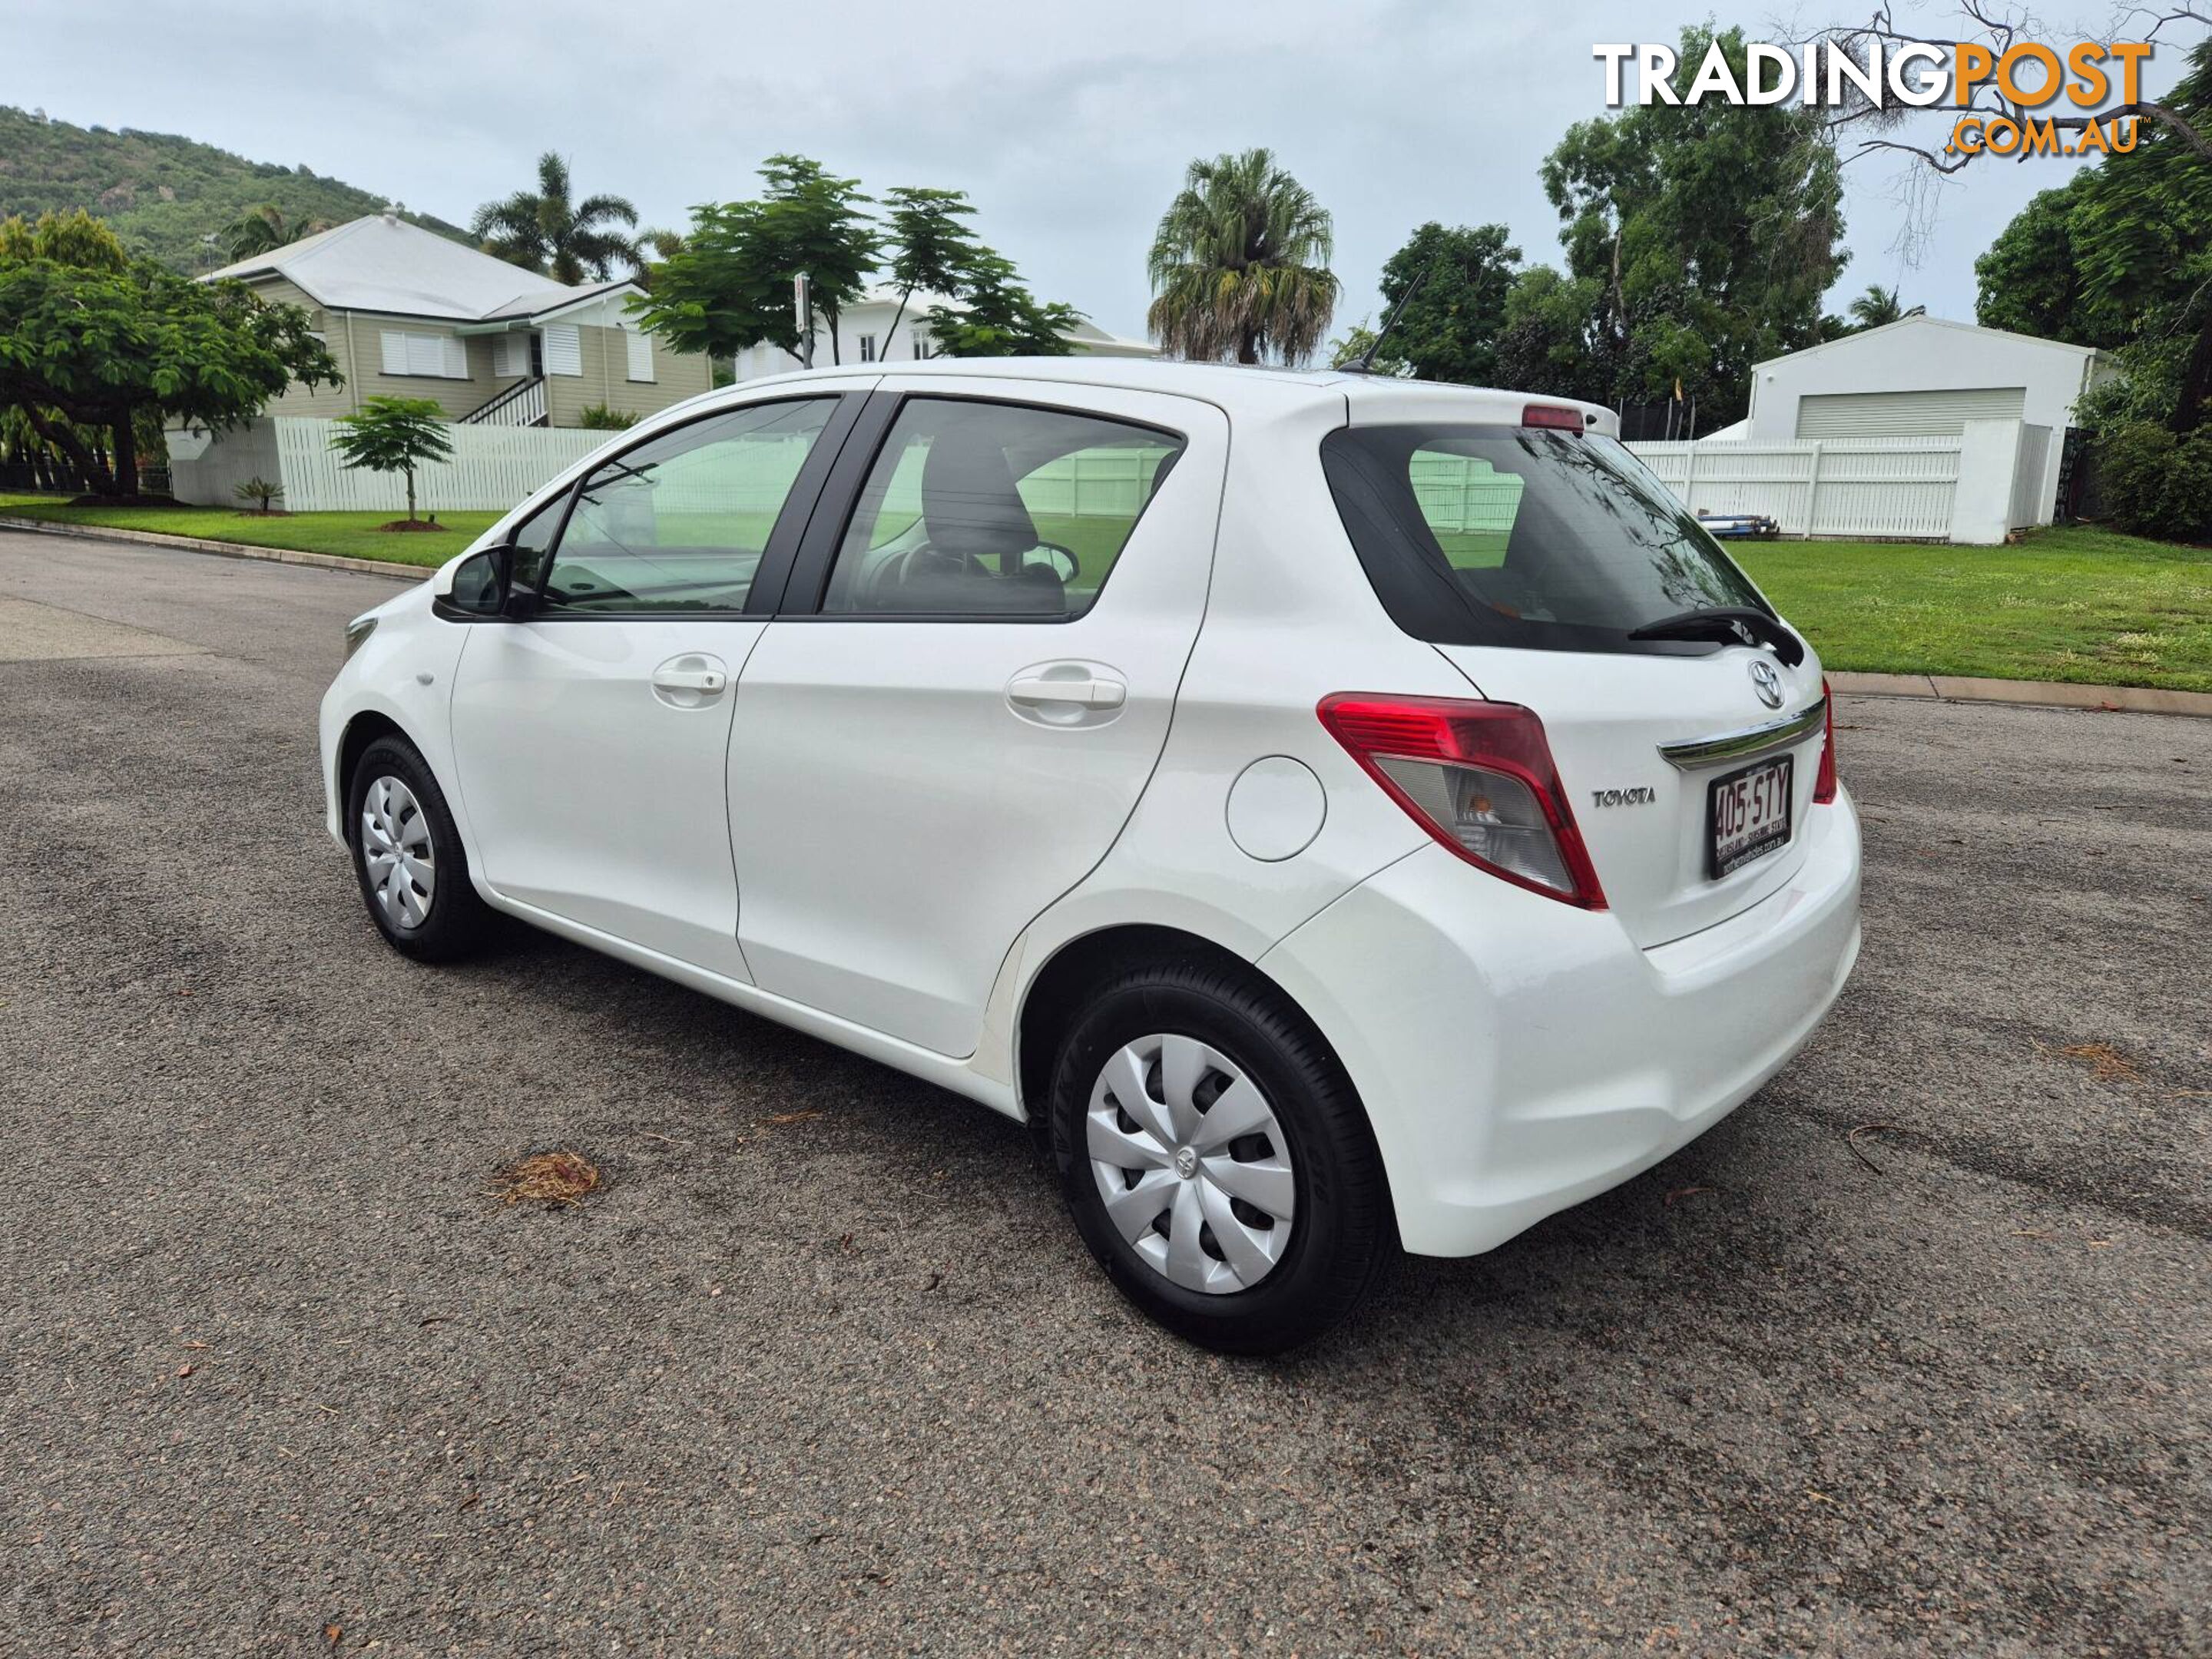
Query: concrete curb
x=1947, y=688
x=2047, y=694
x=403, y=573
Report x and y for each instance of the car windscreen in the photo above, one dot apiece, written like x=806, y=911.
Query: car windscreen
x=1524, y=536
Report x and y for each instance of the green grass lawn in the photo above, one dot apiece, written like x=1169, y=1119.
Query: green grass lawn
x=2082, y=604
x=2078, y=603
x=354, y=535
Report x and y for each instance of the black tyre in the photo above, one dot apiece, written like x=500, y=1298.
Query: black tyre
x=1216, y=1161
x=414, y=876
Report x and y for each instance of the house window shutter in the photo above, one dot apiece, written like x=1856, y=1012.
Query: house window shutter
x=564, y=349
x=640, y=354
x=457, y=357
x=395, y=352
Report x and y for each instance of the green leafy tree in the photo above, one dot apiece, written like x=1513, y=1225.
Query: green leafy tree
x=931, y=248
x=1239, y=265
x=1707, y=235
x=103, y=341
x=1550, y=341
x=393, y=434
x=730, y=285
x=999, y=318
x=824, y=222
x=542, y=230
x=1449, y=329
x=2120, y=257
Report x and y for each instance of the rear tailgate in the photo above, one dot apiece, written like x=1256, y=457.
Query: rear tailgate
x=1647, y=819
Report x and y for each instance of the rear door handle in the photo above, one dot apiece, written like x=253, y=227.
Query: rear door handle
x=1090, y=693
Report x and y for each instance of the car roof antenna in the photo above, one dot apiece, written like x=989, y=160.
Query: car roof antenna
x=1366, y=362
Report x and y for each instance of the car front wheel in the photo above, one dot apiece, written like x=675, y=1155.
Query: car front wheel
x=414, y=876
x=1216, y=1161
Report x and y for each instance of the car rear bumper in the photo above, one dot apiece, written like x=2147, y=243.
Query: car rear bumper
x=1517, y=1056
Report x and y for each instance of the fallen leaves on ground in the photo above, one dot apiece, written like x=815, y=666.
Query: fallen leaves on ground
x=2107, y=1064
x=561, y=1177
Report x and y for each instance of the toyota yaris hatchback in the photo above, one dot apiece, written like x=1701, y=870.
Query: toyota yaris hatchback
x=1341, y=814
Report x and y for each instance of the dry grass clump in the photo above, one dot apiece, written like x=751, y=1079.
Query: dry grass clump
x=560, y=1177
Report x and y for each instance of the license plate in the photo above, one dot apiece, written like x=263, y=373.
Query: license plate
x=1747, y=815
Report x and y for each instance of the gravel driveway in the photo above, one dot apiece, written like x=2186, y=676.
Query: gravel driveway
x=823, y=1368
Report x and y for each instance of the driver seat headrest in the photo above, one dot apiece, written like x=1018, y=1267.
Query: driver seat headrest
x=970, y=504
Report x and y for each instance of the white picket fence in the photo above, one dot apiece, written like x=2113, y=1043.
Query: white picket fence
x=1900, y=487
x=492, y=468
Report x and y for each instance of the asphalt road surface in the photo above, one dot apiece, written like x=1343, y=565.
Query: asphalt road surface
x=824, y=1368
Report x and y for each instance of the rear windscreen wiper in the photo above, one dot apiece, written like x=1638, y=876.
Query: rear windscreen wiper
x=1728, y=624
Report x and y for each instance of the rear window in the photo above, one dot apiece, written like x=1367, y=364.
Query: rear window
x=1523, y=536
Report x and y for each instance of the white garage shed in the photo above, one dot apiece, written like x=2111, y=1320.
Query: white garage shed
x=1923, y=377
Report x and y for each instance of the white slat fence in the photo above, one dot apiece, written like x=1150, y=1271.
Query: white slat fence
x=1900, y=487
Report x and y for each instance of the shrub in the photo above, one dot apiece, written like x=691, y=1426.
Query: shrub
x=598, y=418
x=259, y=490
x=2157, y=482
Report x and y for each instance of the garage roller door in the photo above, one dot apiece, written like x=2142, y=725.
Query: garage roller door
x=1906, y=414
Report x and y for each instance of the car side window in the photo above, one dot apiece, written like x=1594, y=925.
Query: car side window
x=679, y=523
x=980, y=509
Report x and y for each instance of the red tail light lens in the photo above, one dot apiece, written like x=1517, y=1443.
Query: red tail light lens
x=1567, y=420
x=1824, y=781
x=1478, y=776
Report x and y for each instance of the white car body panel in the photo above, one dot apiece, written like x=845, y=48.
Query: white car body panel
x=897, y=821
x=1514, y=1053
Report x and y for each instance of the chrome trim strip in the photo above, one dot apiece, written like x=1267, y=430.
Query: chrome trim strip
x=1694, y=754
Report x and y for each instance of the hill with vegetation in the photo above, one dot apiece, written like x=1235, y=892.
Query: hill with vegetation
x=164, y=194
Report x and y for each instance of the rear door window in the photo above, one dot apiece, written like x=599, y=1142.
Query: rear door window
x=1523, y=536
x=986, y=509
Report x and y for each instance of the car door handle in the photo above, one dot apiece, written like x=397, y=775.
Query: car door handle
x=1089, y=693
x=706, y=681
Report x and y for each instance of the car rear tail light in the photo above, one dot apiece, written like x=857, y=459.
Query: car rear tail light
x=1478, y=776
x=1824, y=781
x=1567, y=420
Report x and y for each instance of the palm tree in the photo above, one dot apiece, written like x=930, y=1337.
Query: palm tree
x=262, y=229
x=1240, y=264
x=1875, y=307
x=540, y=231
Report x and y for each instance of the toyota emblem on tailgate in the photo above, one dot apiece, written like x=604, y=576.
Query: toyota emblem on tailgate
x=1767, y=683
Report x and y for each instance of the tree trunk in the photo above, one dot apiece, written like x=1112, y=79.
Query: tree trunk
x=411, y=495
x=835, y=360
x=891, y=333
x=126, y=454
x=2196, y=379
x=63, y=437
x=1248, y=347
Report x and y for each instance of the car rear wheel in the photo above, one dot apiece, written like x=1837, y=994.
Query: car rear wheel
x=1216, y=1161
x=414, y=876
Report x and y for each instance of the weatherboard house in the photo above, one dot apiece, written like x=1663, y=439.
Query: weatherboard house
x=408, y=313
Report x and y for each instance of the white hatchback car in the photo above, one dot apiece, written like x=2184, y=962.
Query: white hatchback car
x=1341, y=814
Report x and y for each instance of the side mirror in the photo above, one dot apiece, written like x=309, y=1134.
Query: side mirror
x=482, y=587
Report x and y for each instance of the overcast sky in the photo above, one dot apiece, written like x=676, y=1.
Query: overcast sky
x=1069, y=126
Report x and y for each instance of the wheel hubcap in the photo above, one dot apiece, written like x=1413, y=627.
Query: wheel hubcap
x=1195, y=1171
x=397, y=851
